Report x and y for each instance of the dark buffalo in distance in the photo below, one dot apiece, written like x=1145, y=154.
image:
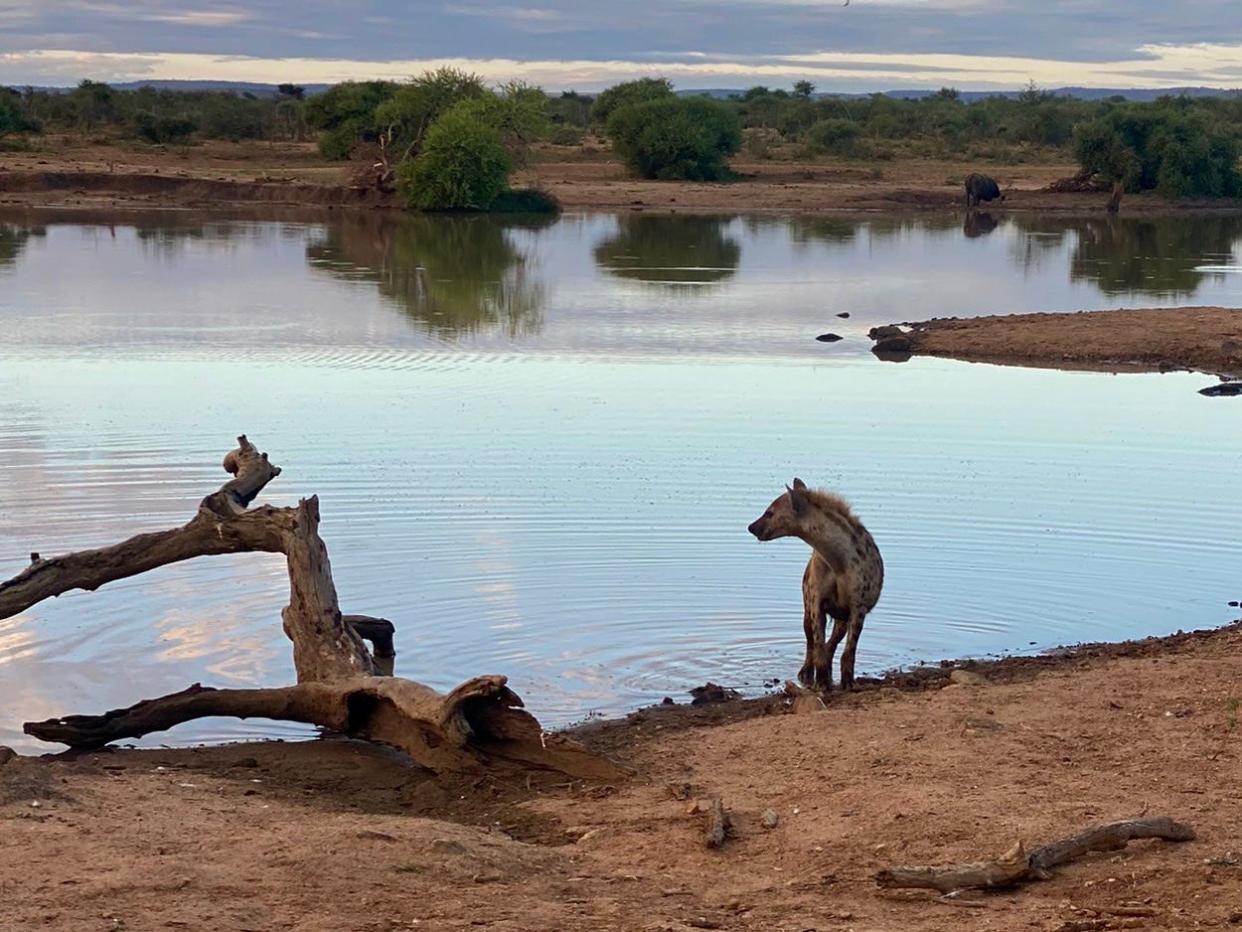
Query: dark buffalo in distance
x=980, y=188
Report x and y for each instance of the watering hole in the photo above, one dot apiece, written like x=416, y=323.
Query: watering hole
x=538, y=444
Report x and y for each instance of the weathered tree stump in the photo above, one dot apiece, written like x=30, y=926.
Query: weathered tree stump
x=341, y=685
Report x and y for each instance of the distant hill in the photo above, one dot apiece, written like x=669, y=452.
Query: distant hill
x=1082, y=93
x=237, y=87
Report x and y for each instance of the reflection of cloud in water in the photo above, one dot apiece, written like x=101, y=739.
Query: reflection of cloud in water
x=15, y=643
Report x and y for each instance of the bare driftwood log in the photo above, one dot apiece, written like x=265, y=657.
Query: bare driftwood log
x=1018, y=866
x=340, y=684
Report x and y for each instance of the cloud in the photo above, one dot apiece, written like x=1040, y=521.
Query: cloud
x=1153, y=65
x=212, y=18
x=523, y=19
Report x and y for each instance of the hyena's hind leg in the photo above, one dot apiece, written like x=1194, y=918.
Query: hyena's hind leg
x=823, y=668
x=855, y=626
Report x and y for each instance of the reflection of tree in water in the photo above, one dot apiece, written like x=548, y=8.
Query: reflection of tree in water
x=169, y=239
x=673, y=251
x=451, y=274
x=1157, y=256
x=13, y=240
x=1040, y=239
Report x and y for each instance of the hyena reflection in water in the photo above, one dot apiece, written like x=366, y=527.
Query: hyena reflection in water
x=843, y=577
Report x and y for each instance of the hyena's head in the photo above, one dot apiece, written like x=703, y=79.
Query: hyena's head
x=785, y=516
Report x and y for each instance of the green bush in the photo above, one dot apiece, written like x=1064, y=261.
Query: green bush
x=163, y=129
x=13, y=117
x=463, y=166
x=1166, y=147
x=627, y=93
x=566, y=135
x=345, y=113
x=669, y=138
x=835, y=137
x=408, y=115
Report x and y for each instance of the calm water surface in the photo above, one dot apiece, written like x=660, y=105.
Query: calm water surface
x=538, y=445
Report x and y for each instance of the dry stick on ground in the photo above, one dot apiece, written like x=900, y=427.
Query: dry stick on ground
x=1018, y=866
x=340, y=684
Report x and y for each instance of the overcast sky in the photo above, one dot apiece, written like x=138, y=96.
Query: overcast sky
x=585, y=44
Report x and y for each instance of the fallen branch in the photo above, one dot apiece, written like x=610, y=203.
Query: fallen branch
x=479, y=723
x=340, y=684
x=221, y=525
x=1018, y=866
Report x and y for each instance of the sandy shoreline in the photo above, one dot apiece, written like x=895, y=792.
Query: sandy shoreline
x=336, y=835
x=1204, y=339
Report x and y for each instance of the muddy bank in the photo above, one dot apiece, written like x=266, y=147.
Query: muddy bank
x=1205, y=339
x=85, y=187
x=336, y=835
x=599, y=181
x=78, y=172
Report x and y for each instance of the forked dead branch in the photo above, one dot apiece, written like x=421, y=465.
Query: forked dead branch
x=341, y=685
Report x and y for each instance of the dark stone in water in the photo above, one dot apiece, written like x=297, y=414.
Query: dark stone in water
x=844, y=314
x=897, y=344
x=883, y=333
x=1235, y=604
x=713, y=692
x=1224, y=389
x=829, y=337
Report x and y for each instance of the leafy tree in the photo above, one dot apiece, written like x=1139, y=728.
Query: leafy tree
x=629, y=92
x=13, y=117
x=95, y=103
x=1101, y=150
x=570, y=109
x=677, y=138
x=835, y=137
x=463, y=165
x=163, y=129
x=517, y=111
x=405, y=118
x=345, y=113
x=291, y=90
x=1167, y=146
x=804, y=89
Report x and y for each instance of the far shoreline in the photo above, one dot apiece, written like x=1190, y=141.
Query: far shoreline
x=281, y=175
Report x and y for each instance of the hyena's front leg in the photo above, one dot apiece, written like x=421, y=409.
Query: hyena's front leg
x=851, y=648
x=813, y=628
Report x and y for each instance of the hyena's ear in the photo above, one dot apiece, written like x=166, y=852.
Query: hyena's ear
x=799, y=484
x=797, y=497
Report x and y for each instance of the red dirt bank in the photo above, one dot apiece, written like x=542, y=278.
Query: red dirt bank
x=340, y=836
